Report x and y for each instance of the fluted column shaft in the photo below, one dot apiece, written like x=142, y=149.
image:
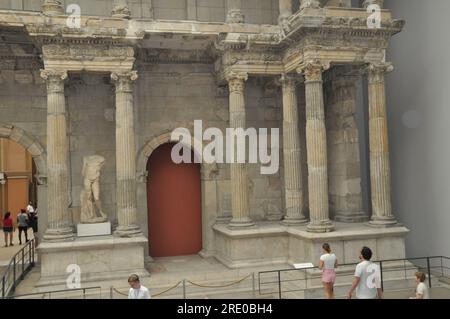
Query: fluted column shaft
x=380, y=175
x=238, y=171
x=234, y=12
x=59, y=219
x=294, y=202
x=316, y=144
x=125, y=155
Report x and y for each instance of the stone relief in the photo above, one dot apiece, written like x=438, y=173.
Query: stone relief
x=90, y=195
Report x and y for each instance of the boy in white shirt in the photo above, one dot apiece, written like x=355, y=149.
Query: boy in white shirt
x=367, y=281
x=422, y=289
x=137, y=291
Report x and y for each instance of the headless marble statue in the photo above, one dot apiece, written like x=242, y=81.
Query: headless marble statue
x=90, y=195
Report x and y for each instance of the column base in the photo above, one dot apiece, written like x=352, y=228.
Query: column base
x=296, y=220
x=128, y=231
x=351, y=218
x=382, y=222
x=235, y=16
x=223, y=220
x=52, y=7
x=62, y=234
x=121, y=13
x=241, y=223
x=320, y=227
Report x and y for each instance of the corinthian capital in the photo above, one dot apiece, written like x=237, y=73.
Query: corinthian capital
x=376, y=71
x=55, y=80
x=312, y=70
x=124, y=80
x=236, y=81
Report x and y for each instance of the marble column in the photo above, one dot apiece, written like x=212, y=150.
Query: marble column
x=234, y=13
x=380, y=174
x=344, y=169
x=366, y=3
x=285, y=10
x=59, y=219
x=314, y=4
x=316, y=144
x=125, y=155
x=121, y=9
x=294, y=202
x=238, y=171
x=52, y=7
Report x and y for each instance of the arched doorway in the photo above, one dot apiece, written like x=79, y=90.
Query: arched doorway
x=18, y=184
x=174, y=205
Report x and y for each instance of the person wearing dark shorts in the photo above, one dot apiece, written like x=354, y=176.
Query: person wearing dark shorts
x=8, y=229
x=22, y=222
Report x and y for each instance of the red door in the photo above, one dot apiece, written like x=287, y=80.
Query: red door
x=174, y=205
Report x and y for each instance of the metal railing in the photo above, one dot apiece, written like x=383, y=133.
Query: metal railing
x=18, y=267
x=300, y=280
x=63, y=294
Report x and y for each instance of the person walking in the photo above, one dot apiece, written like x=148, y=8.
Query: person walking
x=328, y=264
x=367, y=280
x=33, y=224
x=421, y=289
x=8, y=229
x=22, y=222
x=137, y=291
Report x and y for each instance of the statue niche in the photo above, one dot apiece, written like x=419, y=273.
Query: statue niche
x=91, y=208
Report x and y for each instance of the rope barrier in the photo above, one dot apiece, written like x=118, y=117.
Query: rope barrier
x=155, y=295
x=219, y=286
x=163, y=292
x=192, y=283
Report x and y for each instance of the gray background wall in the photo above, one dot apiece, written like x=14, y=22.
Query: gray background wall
x=418, y=95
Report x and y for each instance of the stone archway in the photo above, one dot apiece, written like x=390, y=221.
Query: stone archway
x=39, y=156
x=208, y=186
x=31, y=144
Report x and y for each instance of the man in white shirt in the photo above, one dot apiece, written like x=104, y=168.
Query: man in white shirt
x=367, y=281
x=30, y=208
x=137, y=291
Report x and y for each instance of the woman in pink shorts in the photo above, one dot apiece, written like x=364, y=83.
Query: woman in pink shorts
x=328, y=264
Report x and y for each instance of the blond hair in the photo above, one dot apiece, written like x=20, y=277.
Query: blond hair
x=421, y=276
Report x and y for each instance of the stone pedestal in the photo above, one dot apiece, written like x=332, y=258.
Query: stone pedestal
x=99, y=258
x=273, y=243
x=96, y=229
